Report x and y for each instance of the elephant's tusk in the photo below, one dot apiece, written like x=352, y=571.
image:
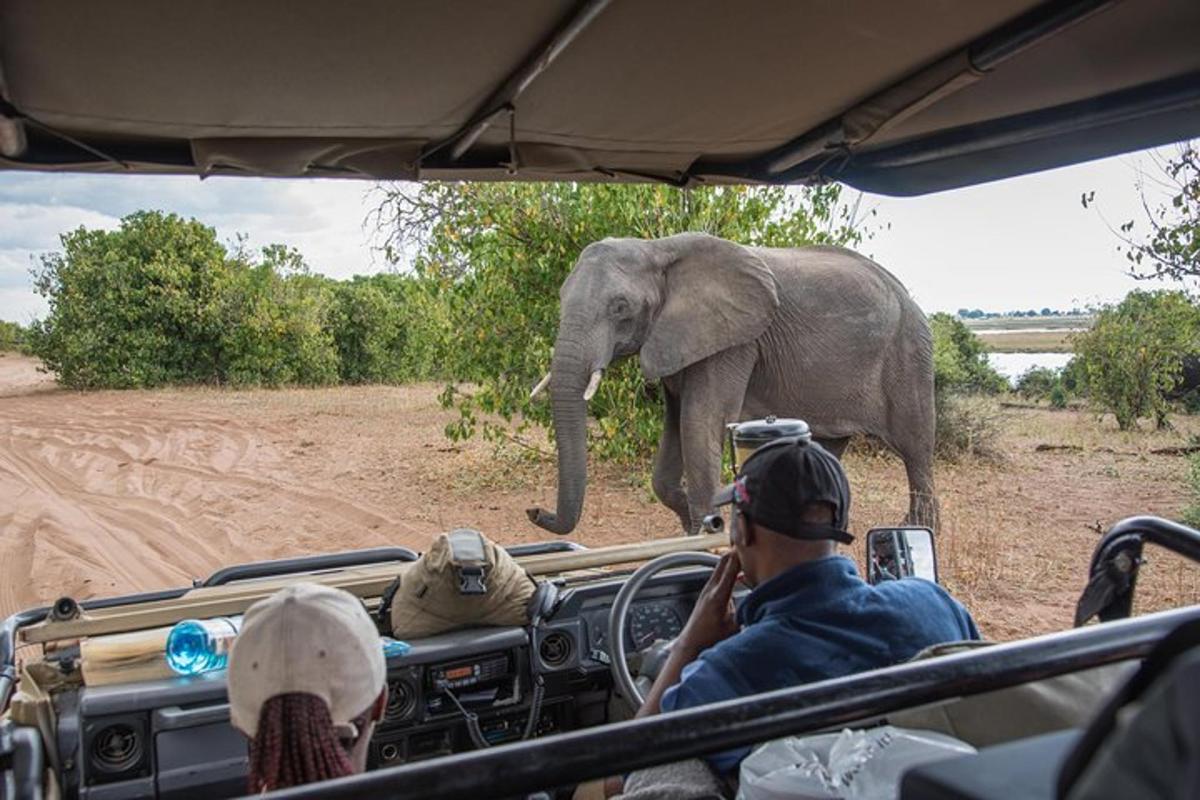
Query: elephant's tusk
x=592, y=385
x=542, y=384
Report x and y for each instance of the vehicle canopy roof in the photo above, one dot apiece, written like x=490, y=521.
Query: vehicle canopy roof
x=891, y=96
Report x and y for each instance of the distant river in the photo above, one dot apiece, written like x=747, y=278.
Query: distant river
x=1014, y=365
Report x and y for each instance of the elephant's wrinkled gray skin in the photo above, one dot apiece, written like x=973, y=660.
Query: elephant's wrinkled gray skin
x=736, y=332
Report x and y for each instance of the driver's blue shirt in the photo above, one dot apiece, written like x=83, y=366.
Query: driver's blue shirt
x=816, y=621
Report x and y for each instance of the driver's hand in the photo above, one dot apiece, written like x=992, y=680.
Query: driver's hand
x=713, y=618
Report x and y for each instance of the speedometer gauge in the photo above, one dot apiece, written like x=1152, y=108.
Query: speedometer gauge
x=649, y=623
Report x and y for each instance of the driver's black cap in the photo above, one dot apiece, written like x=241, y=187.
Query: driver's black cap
x=781, y=478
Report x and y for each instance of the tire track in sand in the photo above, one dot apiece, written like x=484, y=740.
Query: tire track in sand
x=112, y=492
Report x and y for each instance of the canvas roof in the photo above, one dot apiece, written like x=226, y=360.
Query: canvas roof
x=897, y=96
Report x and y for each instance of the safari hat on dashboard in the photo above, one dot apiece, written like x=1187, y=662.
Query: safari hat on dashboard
x=784, y=476
x=305, y=638
x=465, y=580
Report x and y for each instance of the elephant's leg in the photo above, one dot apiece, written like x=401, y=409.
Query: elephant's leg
x=917, y=452
x=667, y=479
x=711, y=395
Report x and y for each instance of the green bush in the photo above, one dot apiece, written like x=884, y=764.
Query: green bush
x=1191, y=514
x=490, y=265
x=960, y=361
x=161, y=301
x=1134, y=351
x=1058, y=396
x=1036, y=383
x=12, y=337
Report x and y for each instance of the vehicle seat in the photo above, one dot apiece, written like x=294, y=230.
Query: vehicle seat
x=1018, y=712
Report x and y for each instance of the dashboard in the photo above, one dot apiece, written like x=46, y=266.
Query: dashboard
x=172, y=738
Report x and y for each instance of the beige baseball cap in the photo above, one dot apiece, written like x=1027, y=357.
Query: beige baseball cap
x=305, y=638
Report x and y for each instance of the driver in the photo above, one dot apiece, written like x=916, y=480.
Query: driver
x=809, y=615
x=307, y=683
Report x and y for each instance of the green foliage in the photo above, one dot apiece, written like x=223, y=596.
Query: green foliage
x=12, y=337
x=136, y=307
x=490, y=259
x=161, y=301
x=1171, y=249
x=1191, y=514
x=1037, y=383
x=1074, y=378
x=1134, y=351
x=960, y=361
x=1058, y=396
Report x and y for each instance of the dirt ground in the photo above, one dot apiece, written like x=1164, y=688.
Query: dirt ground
x=113, y=492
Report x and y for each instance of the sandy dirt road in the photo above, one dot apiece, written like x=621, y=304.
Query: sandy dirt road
x=104, y=493
x=110, y=492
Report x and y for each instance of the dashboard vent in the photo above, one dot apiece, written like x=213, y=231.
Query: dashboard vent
x=402, y=699
x=556, y=649
x=117, y=748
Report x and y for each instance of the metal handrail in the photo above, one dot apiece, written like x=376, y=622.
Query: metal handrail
x=1112, y=575
x=326, y=561
x=578, y=756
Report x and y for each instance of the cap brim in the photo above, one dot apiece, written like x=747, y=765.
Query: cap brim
x=723, y=496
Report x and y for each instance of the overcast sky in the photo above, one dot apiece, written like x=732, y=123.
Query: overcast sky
x=1022, y=243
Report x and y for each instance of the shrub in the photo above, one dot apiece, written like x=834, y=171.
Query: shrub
x=960, y=361
x=12, y=337
x=1134, y=351
x=1191, y=514
x=967, y=426
x=135, y=307
x=1058, y=396
x=1037, y=383
x=161, y=301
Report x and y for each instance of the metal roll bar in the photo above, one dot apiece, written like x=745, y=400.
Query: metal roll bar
x=571, y=758
x=1112, y=576
x=287, y=566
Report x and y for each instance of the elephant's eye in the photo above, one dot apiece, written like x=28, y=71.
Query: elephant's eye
x=618, y=307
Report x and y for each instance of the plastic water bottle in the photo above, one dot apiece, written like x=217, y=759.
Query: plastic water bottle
x=201, y=645
x=394, y=647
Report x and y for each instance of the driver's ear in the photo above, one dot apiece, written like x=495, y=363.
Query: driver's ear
x=749, y=534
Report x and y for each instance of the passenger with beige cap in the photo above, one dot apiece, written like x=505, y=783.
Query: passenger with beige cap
x=307, y=684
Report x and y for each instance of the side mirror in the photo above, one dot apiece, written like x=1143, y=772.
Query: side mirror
x=894, y=553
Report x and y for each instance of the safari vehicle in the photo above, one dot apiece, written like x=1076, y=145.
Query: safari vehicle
x=899, y=97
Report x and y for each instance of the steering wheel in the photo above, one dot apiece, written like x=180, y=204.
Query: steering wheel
x=619, y=613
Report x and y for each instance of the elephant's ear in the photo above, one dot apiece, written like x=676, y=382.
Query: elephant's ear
x=717, y=295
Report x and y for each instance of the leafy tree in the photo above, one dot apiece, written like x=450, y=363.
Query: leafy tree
x=278, y=332
x=1172, y=248
x=161, y=301
x=490, y=259
x=1133, y=353
x=135, y=307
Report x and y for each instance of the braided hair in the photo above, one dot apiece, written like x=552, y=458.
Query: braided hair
x=296, y=744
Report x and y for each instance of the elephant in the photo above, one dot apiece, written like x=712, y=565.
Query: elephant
x=737, y=332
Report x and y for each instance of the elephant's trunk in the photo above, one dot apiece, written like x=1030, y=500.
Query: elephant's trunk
x=568, y=384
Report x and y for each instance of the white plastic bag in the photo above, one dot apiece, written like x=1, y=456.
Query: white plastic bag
x=851, y=765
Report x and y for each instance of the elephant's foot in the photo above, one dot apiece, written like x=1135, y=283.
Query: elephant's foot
x=923, y=510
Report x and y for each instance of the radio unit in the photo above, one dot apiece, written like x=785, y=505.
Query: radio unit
x=466, y=674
